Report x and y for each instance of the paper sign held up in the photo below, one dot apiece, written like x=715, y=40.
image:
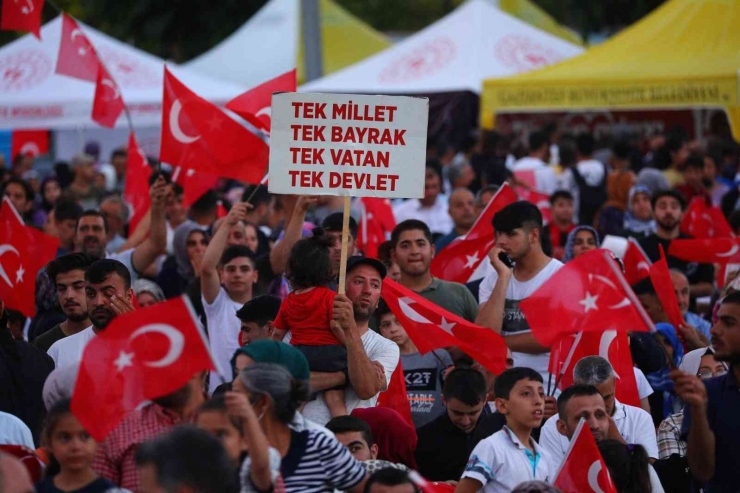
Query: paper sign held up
x=348, y=144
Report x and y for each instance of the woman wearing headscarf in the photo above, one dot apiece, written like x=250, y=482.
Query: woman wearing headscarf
x=638, y=218
x=147, y=292
x=181, y=269
x=662, y=401
x=580, y=240
x=274, y=396
x=395, y=438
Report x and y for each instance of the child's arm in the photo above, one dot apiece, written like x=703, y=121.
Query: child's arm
x=209, y=279
x=257, y=444
x=468, y=485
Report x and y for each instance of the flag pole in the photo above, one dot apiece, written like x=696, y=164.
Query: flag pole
x=345, y=244
x=566, y=364
x=256, y=187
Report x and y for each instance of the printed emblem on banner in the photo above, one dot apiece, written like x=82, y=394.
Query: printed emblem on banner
x=24, y=70
x=523, y=54
x=126, y=70
x=427, y=59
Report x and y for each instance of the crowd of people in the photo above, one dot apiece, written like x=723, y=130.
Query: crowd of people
x=293, y=402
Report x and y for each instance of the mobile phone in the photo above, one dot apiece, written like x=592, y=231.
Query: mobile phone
x=505, y=259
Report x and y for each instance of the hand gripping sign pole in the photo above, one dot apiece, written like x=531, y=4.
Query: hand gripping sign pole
x=348, y=145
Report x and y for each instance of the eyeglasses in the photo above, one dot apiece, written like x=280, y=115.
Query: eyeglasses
x=709, y=374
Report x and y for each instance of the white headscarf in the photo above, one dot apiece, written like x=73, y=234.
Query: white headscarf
x=692, y=360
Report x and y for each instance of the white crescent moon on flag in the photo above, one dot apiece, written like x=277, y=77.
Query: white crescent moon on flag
x=607, y=337
x=28, y=8
x=30, y=148
x=643, y=266
x=732, y=251
x=177, y=343
x=593, y=476
x=177, y=132
x=404, y=303
x=605, y=280
x=6, y=248
x=112, y=85
x=267, y=111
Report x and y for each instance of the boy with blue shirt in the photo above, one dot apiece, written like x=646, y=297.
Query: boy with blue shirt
x=511, y=456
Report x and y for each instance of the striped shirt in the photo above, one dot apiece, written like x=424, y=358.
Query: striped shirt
x=315, y=463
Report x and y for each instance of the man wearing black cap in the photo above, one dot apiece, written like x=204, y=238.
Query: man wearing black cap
x=332, y=226
x=371, y=358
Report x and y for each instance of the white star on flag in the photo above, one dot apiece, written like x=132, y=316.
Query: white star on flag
x=214, y=123
x=446, y=326
x=472, y=260
x=589, y=302
x=124, y=360
x=19, y=274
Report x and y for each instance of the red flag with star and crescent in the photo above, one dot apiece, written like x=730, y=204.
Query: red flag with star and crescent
x=460, y=259
x=141, y=355
x=136, y=188
x=636, y=263
x=587, y=294
x=660, y=276
x=584, y=470
x=432, y=327
x=76, y=57
x=612, y=345
x=23, y=252
x=255, y=104
x=395, y=396
x=722, y=251
x=194, y=183
x=108, y=102
x=703, y=221
x=22, y=15
x=197, y=134
x=376, y=222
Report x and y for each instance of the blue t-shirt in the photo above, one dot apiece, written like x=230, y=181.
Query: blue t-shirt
x=100, y=485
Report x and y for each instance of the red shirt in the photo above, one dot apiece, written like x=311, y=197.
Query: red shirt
x=115, y=458
x=307, y=317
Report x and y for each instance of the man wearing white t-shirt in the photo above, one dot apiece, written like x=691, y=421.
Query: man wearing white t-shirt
x=227, y=276
x=545, y=179
x=432, y=209
x=109, y=294
x=518, y=227
x=371, y=358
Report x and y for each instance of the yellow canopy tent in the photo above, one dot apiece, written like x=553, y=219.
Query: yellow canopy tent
x=345, y=39
x=685, y=54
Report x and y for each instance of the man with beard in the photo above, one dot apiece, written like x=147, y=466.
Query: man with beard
x=68, y=275
x=371, y=358
x=109, y=294
x=668, y=208
x=710, y=415
x=115, y=458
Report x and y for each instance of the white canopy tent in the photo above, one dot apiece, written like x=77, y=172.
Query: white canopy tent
x=474, y=42
x=33, y=96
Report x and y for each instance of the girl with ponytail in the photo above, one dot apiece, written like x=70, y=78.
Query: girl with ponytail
x=628, y=466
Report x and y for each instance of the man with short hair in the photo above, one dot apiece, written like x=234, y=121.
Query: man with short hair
x=354, y=433
x=634, y=424
x=546, y=181
x=710, y=425
x=116, y=215
x=21, y=195
x=683, y=295
x=445, y=444
x=108, y=294
x=561, y=204
x=227, y=276
x=257, y=317
x=390, y=480
x=668, y=208
x=413, y=251
x=586, y=181
x=462, y=212
x=432, y=208
x=62, y=222
x=68, y=275
x=259, y=214
x=83, y=188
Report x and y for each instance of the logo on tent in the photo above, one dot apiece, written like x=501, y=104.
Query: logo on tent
x=523, y=54
x=128, y=71
x=24, y=70
x=423, y=61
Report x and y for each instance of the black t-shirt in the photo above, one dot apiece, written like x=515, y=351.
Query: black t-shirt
x=45, y=340
x=695, y=272
x=100, y=485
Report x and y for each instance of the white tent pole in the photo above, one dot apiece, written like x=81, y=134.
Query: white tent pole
x=312, y=53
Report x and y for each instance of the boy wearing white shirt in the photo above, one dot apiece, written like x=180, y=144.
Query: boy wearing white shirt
x=511, y=456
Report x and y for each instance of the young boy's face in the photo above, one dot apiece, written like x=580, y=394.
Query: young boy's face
x=219, y=425
x=391, y=328
x=562, y=210
x=238, y=276
x=525, y=405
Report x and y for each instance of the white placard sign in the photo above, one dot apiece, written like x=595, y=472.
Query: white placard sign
x=348, y=144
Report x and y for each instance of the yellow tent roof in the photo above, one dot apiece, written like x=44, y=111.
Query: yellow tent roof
x=345, y=39
x=685, y=54
x=533, y=15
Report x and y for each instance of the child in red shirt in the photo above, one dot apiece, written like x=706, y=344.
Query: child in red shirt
x=307, y=313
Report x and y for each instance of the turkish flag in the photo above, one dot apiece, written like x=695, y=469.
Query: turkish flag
x=29, y=142
x=706, y=251
x=23, y=252
x=612, y=345
x=587, y=294
x=376, y=222
x=702, y=221
x=194, y=184
x=108, y=103
x=22, y=15
x=426, y=487
x=141, y=355
x=541, y=200
x=661, y=279
x=197, y=134
x=77, y=57
x=395, y=397
x=460, y=259
x=636, y=263
x=255, y=104
x=584, y=469
x=432, y=327
x=136, y=190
